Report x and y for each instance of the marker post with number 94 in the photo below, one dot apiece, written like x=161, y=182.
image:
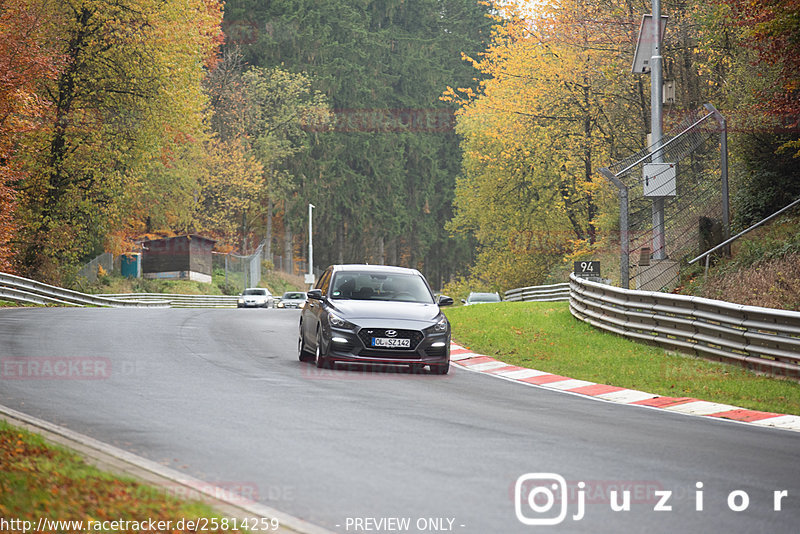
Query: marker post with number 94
x=587, y=269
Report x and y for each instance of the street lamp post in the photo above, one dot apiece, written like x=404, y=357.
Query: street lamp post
x=310, y=277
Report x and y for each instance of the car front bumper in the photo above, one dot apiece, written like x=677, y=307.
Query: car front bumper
x=247, y=304
x=349, y=346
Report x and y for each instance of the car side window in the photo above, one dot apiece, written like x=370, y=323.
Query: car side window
x=324, y=282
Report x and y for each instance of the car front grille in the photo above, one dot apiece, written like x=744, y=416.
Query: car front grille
x=366, y=335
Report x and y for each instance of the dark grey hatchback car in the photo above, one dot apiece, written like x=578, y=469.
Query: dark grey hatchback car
x=375, y=314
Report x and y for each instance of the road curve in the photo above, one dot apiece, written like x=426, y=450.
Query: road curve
x=221, y=396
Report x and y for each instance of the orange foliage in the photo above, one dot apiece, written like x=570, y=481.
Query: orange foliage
x=24, y=60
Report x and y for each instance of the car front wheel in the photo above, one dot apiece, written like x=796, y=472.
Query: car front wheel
x=322, y=360
x=305, y=356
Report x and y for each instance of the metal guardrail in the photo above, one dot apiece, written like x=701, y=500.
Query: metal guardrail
x=761, y=339
x=19, y=289
x=180, y=301
x=549, y=293
x=16, y=295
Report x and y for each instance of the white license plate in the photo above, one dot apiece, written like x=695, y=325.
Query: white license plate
x=391, y=343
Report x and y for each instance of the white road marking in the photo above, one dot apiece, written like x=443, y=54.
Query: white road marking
x=700, y=408
x=626, y=396
x=487, y=366
x=569, y=384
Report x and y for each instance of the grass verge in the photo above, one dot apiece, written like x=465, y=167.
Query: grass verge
x=545, y=336
x=38, y=479
x=12, y=304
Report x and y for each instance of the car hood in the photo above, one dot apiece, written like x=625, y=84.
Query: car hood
x=366, y=312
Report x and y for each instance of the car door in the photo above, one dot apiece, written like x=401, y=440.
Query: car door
x=312, y=311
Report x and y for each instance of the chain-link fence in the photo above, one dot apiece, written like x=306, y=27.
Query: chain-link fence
x=673, y=201
x=238, y=272
x=90, y=270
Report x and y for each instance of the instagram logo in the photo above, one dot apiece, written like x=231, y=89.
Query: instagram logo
x=541, y=498
x=537, y=496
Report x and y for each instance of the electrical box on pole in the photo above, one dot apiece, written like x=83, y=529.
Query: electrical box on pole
x=668, y=93
x=659, y=179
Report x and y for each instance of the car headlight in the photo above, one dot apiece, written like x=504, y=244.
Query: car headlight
x=280, y=305
x=440, y=326
x=241, y=301
x=338, y=322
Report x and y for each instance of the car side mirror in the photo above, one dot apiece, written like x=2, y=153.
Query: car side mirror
x=445, y=300
x=463, y=301
x=315, y=294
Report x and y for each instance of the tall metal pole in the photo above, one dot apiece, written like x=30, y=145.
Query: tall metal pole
x=656, y=97
x=310, y=243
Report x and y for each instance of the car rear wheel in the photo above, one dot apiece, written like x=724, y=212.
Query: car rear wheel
x=440, y=369
x=322, y=360
x=305, y=356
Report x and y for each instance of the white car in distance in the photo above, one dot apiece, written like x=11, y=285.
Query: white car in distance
x=255, y=297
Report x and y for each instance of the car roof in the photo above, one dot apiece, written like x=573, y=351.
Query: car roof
x=362, y=267
x=484, y=293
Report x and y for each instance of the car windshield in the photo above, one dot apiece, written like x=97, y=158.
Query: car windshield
x=260, y=292
x=294, y=296
x=484, y=297
x=400, y=287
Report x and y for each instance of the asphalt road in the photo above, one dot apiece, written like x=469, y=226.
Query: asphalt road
x=220, y=395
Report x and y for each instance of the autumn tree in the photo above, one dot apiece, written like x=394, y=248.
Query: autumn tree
x=551, y=111
x=232, y=180
x=120, y=113
x=26, y=58
x=280, y=104
x=756, y=44
x=771, y=29
x=258, y=121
